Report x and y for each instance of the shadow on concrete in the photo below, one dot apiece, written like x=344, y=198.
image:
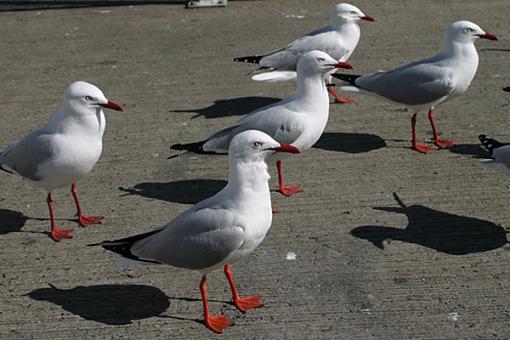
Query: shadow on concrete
x=11, y=221
x=185, y=191
x=32, y=5
x=232, y=107
x=108, y=304
x=470, y=150
x=444, y=232
x=349, y=142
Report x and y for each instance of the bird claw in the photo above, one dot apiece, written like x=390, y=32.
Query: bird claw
x=249, y=302
x=58, y=234
x=217, y=323
x=289, y=190
x=340, y=100
x=443, y=143
x=422, y=148
x=85, y=221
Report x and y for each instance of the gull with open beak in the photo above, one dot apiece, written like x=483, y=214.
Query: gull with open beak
x=298, y=119
x=426, y=83
x=339, y=39
x=64, y=150
x=220, y=230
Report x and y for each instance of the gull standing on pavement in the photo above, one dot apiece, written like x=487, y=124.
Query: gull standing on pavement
x=339, y=39
x=220, y=230
x=426, y=83
x=64, y=150
x=298, y=119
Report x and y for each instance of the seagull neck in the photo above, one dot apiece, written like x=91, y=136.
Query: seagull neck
x=248, y=176
x=310, y=87
x=63, y=122
x=350, y=30
x=458, y=49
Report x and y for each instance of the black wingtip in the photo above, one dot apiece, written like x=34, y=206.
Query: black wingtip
x=489, y=143
x=349, y=78
x=254, y=59
x=193, y=147
x=507, y=89
x=123, y=246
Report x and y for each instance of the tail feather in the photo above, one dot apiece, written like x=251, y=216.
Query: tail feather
x=123, y=246
x=254, y=59
x=350, y=78
x=489, y=144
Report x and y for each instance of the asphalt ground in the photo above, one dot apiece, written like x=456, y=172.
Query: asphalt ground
x=388, y=243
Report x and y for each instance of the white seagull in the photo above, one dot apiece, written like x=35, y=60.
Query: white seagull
x=64, y=150
x=500, y=154
x=428, y=82
x=220, y=230
x=338, y=39
x=298, y=119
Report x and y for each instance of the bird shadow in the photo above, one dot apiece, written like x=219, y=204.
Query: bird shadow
x=107, y=304
x=11, y=221
x=448, y=233
x=231, y=107
x=349, y=142
x=184, y=191
x=473, y=150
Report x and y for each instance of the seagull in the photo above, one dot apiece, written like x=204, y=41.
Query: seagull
x=220, y=230
x=428, y=82
x=64, y=150
x=338, y=39
x=298, y=119
x=499, y=152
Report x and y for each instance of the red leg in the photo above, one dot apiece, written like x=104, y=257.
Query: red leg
x=440, y=143
x=56, y=233
x=286, y=190
x=84, y=221
x=243, y=304
x=216, y=323
x=338, y=99
x=415, y=146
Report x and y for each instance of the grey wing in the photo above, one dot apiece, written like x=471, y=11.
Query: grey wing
x=413, y=84
x=502, y=155
x=194, y=240
x=26, y=155
x=282, y=124
x=286, y=59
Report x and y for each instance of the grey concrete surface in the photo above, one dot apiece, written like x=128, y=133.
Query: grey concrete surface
x=365, y=267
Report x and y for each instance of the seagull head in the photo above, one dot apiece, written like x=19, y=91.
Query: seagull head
x=318, y=62
x=343, y=13
x=466, y=32
x=255, y=145
x=84, y=98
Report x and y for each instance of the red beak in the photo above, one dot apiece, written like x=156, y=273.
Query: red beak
x=341, y=64
x=368, y=18
x=286, y=148
x=112, y=105
x=488, y=35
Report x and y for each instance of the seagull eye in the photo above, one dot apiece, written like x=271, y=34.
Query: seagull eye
x=468, y=29
x=321, y=60
x=257, y=144
x=353, y=12
x=89, y=98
